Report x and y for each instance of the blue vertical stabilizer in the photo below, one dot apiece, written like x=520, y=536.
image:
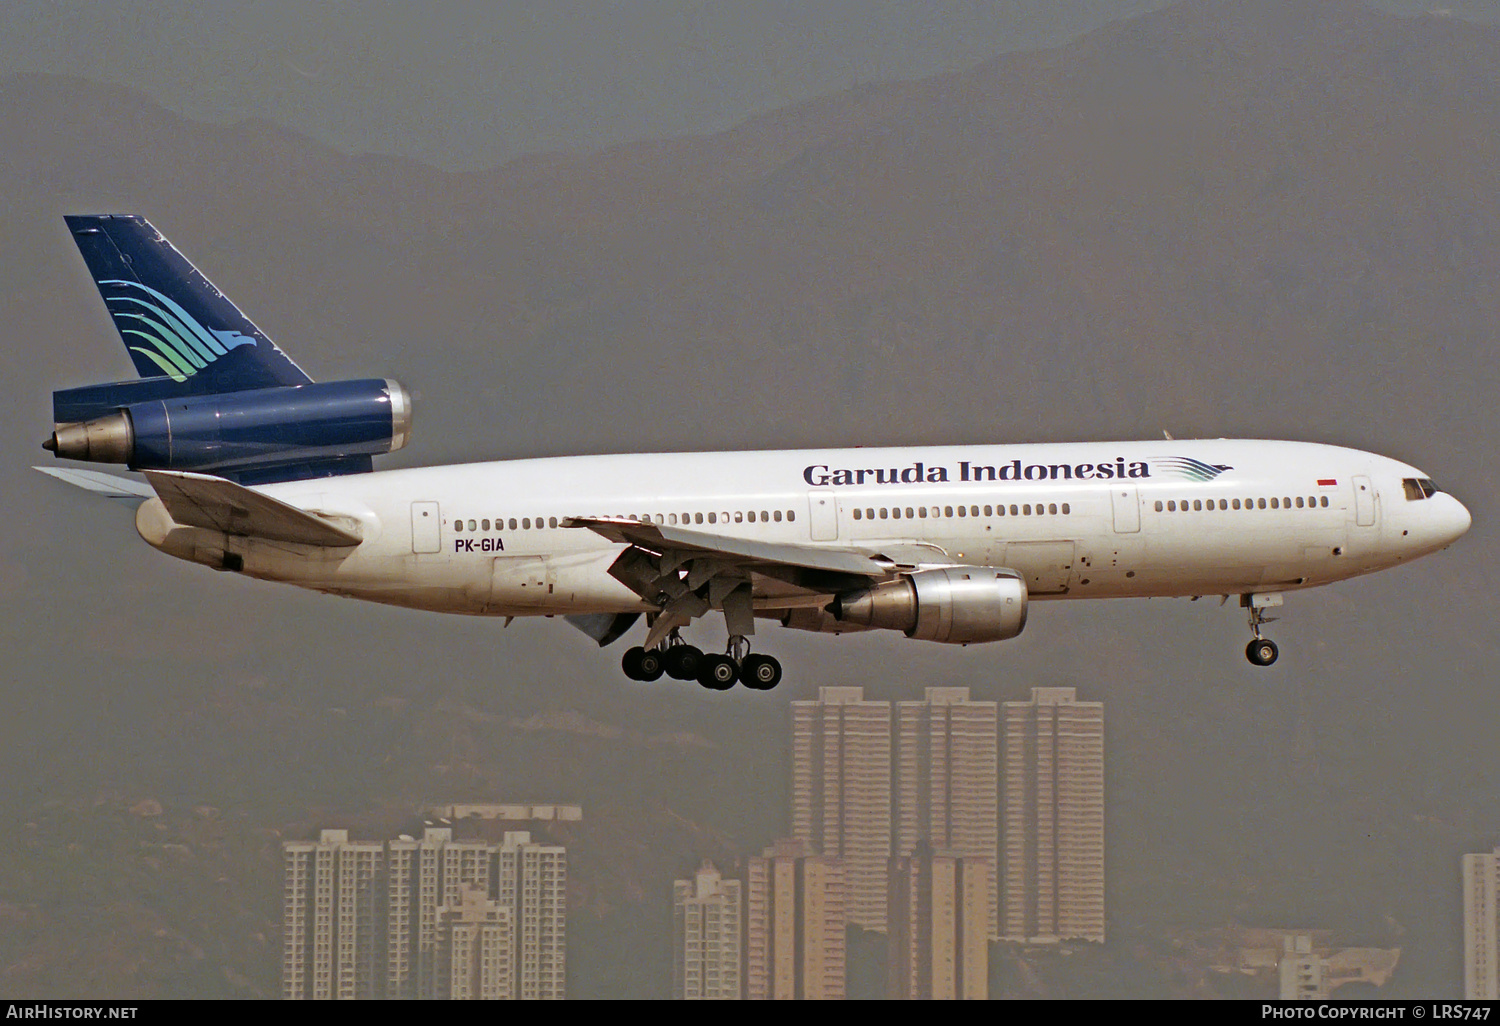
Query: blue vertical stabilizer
x=172, y=319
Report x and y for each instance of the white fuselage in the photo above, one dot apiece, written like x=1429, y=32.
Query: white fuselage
x=1076, y=520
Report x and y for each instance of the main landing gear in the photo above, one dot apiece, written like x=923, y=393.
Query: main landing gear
x=681, y=661
x=1261, y=651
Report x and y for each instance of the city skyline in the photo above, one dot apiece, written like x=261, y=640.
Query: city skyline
x=429, y=918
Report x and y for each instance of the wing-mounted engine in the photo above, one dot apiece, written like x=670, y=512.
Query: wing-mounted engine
x=263, y=434
x=956, y=605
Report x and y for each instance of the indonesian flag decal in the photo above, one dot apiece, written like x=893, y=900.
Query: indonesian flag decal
x=1327, y=482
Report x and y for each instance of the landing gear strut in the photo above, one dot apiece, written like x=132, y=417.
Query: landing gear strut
x=1261, y=651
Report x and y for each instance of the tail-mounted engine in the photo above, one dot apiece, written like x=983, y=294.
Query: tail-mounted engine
x=957, y=605
x=330, y=427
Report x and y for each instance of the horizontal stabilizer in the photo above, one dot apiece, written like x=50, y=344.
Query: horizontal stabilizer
x=110, y=486
x=200, y=500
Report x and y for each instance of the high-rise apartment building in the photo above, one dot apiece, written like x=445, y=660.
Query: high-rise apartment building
x=533, y=881
x=841, y=792
x=426, y=875
x=332, y=891
x=1052, y=887
x=795, y=925
x=480, y=940
x=1481, y=876
x=939, y=926
x=424, y=918
x=946, y=785
x=707, y=937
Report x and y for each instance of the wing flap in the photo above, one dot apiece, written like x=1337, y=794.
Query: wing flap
x=200, y=500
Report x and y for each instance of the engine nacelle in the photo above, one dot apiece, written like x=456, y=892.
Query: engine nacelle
x=957, y=605
x=241, y=430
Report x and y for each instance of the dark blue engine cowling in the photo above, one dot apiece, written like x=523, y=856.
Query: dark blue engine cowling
x=251, y=436
x=243, y=430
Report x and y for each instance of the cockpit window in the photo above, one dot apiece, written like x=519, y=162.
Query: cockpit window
x=1419, y=488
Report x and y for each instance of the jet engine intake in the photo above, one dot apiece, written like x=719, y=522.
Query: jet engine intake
x=956, y=605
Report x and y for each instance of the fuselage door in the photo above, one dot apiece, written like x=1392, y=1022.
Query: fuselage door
x=824, y=520
x=1127, y=508
x=1364, y=501
x=426, y=527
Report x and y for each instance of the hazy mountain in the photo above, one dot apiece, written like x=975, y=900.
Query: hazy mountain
x=1264, y=219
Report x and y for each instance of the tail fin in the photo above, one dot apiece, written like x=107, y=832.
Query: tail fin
x=172, y=320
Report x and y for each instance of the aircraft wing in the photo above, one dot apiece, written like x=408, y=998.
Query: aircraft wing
x=659, y=538
x=201, y=500
x=686, y=573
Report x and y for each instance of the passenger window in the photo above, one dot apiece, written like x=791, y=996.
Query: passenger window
x=895, y=512
x=1026, y=509
x=1052, y=508
x=697, y=518
x=552, y=521
x=791, y=515
x=963, y=511
x=512, y=523
x=1299, y=502
x=922, y=512
x=1261, y=504
x=858, y=513
x=1066, y=509
x=910, y=513
x=947, y=511
x=672, y=519
x=1197, y=504
x=739, y=518
x=1323, y=501
x=713, y=518
x=526, y=522
x=484, y=525
x=765, y=517
x=776, y=514
x=988, y=512
x=1274, y=503
x=869, y=513
x=882, y=513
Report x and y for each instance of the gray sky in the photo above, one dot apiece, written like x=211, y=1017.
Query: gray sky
x=472, y=84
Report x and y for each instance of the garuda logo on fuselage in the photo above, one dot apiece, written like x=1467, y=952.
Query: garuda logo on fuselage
x=1190, y=469
x=178, y=343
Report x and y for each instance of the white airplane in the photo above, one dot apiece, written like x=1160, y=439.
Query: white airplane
x=251, y=467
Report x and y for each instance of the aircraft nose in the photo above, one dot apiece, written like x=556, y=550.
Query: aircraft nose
x=1456, y=521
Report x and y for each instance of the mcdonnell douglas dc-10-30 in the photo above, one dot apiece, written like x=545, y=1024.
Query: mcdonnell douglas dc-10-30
x=252, y=467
